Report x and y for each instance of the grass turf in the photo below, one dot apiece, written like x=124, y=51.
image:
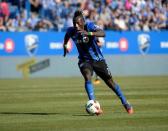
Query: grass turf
x=57, y=104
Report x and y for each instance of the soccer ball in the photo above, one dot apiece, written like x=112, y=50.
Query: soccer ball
x=93, y=107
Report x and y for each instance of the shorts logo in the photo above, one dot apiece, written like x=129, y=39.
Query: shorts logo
x=144, y=43
x=31, y=42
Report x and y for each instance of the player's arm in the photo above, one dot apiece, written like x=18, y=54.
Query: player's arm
x=66, y=39
x=97, y=33
x=94, y=31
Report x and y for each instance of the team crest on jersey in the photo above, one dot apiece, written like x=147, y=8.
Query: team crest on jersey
x=31, y=42
x=85, y=39
x=144, y=43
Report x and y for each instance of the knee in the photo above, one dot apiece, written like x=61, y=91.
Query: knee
x=88, y=78
x=87, y=75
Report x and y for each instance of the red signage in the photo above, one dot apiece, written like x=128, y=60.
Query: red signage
x=123, y=44
x=9, y=46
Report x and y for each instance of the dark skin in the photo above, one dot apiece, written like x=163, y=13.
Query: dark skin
x=80, y=29
x=87, y=74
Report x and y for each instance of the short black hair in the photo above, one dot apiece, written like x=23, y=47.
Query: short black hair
x=78, y=13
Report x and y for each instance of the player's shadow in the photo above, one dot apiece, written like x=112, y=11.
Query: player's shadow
x=29, y=113
x=81, y=115
x=40, y=113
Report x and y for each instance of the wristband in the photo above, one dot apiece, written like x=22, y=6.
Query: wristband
x=90, y=33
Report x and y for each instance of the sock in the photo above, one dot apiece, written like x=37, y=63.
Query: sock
x=119, y=93
x=90, y=90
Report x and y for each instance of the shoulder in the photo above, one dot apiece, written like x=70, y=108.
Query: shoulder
x=90, y=24
x=70, y=29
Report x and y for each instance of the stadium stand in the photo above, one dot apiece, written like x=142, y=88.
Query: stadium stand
x=56, y=15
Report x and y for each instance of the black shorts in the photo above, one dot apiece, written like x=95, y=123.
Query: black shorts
x=99, y=67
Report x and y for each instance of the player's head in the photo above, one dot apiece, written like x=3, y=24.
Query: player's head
x=78, y=19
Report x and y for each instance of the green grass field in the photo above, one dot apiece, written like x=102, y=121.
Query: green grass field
x=57, y=104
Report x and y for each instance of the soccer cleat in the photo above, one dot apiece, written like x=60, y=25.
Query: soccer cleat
x=129, y=108
x=100, y=111
x=96, y=82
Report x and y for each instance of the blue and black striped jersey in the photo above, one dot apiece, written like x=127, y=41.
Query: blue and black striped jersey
x=86, y=45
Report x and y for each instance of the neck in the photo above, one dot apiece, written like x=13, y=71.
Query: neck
x=81, y=27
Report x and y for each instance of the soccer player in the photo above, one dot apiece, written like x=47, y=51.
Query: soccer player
x=90, y=57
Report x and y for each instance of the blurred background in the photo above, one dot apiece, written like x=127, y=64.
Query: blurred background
x=56, y=15
x=32, y=32
x=40, y=90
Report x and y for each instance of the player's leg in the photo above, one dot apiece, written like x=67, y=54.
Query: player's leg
x=116, y=88
x=102, y=70
x=87, y=71
x=97, y=79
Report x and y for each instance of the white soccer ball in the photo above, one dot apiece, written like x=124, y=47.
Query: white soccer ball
x=93, y=107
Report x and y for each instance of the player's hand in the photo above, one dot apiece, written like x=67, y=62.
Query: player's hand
x=65, y=50
x=83, y=32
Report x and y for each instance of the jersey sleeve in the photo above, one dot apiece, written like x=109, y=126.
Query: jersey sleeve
x=93, y=27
